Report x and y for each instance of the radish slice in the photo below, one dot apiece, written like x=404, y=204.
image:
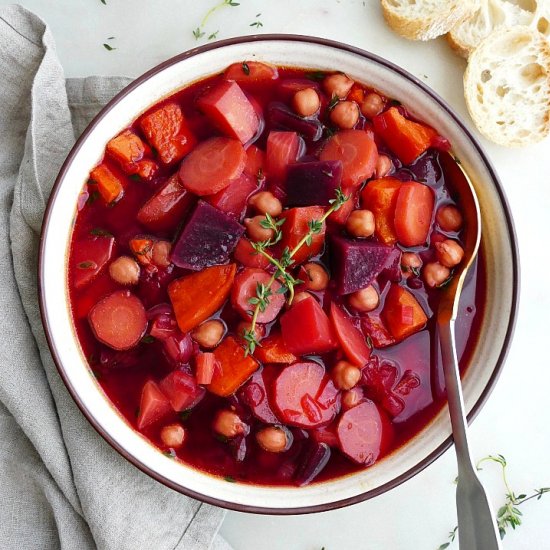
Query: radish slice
x=118, y=320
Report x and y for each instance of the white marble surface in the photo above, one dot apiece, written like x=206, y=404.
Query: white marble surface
x=515, y=422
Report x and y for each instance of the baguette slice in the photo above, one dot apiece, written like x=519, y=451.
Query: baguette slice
x=507, y=86
x=494, y=14
x=426, y=19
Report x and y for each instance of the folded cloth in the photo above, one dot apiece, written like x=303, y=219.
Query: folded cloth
x=61, y=485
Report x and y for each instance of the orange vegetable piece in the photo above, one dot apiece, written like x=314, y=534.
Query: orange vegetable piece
x=142, y=249
x=126, y=148
x=274, y=350
x=197, y=296
x=402, y=314
x=234, y=368
x=167, y=131
x=380, y=197
x=356, y=94
x=108, y=184
x=296, y=227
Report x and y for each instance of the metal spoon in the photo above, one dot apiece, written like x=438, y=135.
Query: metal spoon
x=476, y=524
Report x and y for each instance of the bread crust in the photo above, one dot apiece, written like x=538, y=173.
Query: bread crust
x=434, y=21
x=507, y=86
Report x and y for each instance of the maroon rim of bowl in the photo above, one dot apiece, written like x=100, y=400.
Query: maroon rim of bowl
x=509, y=222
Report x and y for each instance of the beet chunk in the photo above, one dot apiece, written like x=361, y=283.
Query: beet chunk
x=355, y=264
x=313, y=183
x=208, y=238
x=280, y=116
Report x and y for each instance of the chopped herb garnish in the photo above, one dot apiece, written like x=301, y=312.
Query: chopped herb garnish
x=170, y=453
x=369, y=341
x=184, y=415
x=245, y=68
x=104, y=2
x=395, y=102
x=197, y=33
x=230, y=479
x=98, y=232
x=316, y=75
x=260, y=176
x=86, y=265
x=134, y=177
x=333, y=102
x=213, y=36
x=147, y=339
x=108, y=47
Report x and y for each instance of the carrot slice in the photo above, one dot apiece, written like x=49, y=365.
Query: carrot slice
x=118, y=320
x=380, y=197
x=212, y=165
x=109, y=186
x=413, y=213
x=247, y=256
x=197, y=296
x=234, y=367
x=358, y=153
x=402, y=313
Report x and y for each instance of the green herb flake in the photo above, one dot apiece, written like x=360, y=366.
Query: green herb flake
x=98, y=232
x=334, y=100
x=184, y=415
x=94, y=195
x=135, y=177
x=245, y=68
x=147, y=339
x=87, y=265
x=230, y=479
x=213, y=36
x=316, y=76
x=395, y=103
x=197, y=33
x=170, y=453
x=104, y=2
x=108, y=47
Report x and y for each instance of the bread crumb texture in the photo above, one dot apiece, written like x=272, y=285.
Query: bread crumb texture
x=495, y=14
x=507, y=86
x=426, y=19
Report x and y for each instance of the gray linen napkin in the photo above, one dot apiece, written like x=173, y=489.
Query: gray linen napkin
x=61, y=485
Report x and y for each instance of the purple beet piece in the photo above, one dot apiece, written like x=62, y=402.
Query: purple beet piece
x=207, y=239
x=313, y=183
x=392, y=268
x=355, y=264
x=255, y=395
x=280, y=116
x=316, y=457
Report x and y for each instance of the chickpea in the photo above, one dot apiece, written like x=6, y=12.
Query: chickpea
x=161, y=253
x=228, y=424
x=299, y=297
x=360, y=223
x=410, y=262
x=272, y=439
x=255, y=231
x=351, y=398
x=266, y=203
x=449, y=218
x=337, y=85
x=345, y=114
x=372, y=105
x=316, y=277
x=449, y=253
x=384, y=166
x=306, y=102
x=435, y=274
x=259, y=330
x=345, y=375
x=124, y=271
x=365, y=299
x=173, y=435
x=209, y=333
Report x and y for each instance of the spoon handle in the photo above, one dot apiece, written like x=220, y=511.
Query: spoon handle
x=476, y=524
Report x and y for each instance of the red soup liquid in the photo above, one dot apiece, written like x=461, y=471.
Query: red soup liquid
x=254, y=271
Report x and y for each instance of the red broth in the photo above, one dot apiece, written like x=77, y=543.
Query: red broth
x=401, y=382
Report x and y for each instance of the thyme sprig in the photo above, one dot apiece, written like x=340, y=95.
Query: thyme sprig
x=508, y=515
x=286, y=279
x=199, y=31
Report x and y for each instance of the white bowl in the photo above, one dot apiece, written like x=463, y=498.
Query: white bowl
x=498, y=243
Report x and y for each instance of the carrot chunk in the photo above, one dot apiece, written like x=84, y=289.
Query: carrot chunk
x=234, y=367
x=296, y=226
x=402, y=314
x=274, y=350
x=167, y=131
x=126, y=148
x=197, y=296
x=109, y=186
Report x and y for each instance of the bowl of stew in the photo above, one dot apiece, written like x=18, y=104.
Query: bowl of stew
x=240, y=265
